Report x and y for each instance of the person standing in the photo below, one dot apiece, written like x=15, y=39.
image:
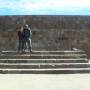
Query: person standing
x=20, y=38
x=27, y=38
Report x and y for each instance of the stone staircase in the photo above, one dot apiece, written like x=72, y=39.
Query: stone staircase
x=44, y=62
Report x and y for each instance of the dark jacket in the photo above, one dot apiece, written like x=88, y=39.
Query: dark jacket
x=27, y=33
x=20, y=35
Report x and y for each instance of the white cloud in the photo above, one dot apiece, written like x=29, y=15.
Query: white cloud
x=69, y=3
x=44, y=5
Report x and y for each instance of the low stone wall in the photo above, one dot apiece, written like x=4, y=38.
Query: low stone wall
x=48, y=39
x=8, y=40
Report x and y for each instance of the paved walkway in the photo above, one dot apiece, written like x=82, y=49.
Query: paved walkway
x=45, y=82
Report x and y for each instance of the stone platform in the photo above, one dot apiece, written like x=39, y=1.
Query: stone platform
x=44, y=62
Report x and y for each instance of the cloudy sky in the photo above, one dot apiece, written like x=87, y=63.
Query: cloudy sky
x=44, y=7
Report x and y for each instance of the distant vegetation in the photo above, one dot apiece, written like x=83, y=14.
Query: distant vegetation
x=48, y=32
x=45, y=22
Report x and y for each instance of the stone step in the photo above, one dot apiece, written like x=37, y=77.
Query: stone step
x=53, y=64
x=44, y=66
x=42, y=56
x=81, y=60
x=44, y=62
x=46, y=71
x=46, y=52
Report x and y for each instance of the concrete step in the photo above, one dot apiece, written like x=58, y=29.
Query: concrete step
x=44, y=62
x=43, y=56
x=46, y=71
x=43, y=65
x=81, y=60
x=45, y=52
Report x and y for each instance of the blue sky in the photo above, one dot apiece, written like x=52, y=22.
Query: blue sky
x=44, y=7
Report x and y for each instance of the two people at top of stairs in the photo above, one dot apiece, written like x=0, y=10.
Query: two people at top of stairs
x=24, y=37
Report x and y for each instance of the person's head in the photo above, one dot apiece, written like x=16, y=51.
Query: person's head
x=26, y=26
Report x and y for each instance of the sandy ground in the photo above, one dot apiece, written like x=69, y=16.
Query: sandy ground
x=45, y=82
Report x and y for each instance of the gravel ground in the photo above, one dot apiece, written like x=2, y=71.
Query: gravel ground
x=45, y=82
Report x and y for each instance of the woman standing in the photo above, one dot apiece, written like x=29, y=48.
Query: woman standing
x=20, y=38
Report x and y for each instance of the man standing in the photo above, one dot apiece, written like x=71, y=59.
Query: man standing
x=27, y=37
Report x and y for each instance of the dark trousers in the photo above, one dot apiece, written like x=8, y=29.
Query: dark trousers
x=20, y=44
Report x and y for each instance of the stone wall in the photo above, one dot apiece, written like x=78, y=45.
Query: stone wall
x=48, y=39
